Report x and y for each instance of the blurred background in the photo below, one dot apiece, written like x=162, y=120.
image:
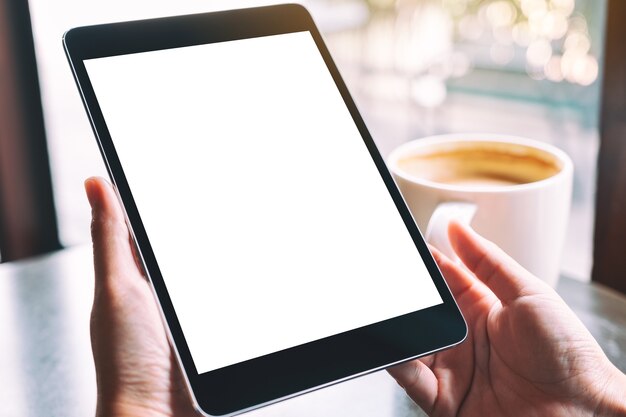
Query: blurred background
x=415, y=67
x=529, y=68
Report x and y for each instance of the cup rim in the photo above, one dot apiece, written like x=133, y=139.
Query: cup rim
x=406, y=149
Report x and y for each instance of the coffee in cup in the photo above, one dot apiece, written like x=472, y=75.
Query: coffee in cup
x=482, y=164
x=514, y=191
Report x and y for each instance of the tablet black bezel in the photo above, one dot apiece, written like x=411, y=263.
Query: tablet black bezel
x=299, y=369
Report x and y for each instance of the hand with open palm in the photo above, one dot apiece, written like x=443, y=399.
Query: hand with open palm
x=526, y=353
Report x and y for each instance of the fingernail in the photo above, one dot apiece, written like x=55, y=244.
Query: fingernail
x=90, y=190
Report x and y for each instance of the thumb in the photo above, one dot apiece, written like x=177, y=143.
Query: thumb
x=419, y=382
x=112, y=250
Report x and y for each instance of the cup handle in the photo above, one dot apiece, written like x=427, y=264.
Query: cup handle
x=437, y=229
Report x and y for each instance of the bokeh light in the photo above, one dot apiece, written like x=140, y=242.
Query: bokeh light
x=501, y=13
x=554, y=35
x=539, y=53
x=550, y=39
x=553, y=69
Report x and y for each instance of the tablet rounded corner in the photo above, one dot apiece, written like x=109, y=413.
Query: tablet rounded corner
x=464, y=331
x=200, y=410
x=67, y=35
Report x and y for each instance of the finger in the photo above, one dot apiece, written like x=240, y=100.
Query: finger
x=505, y=277
x=113, y=255
x=419, y=382
x=459, y=280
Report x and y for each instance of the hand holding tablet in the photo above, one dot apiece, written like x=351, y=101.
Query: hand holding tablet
x=448, y=383
x=278, y=246
x=281, y=254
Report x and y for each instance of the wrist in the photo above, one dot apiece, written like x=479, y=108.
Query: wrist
x=613, y=397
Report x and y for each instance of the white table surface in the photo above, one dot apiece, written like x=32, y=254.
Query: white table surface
x=46, y=367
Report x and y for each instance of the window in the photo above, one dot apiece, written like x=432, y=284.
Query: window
x=416, y=68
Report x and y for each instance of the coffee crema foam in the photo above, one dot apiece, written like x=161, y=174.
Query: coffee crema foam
x=482, y=164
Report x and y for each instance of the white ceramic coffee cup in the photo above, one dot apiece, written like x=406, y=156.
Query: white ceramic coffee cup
x=527, y=220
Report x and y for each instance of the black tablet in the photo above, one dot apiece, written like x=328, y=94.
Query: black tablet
x=280, y=250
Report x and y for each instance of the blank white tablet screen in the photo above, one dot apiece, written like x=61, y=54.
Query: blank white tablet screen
x=268, y=218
